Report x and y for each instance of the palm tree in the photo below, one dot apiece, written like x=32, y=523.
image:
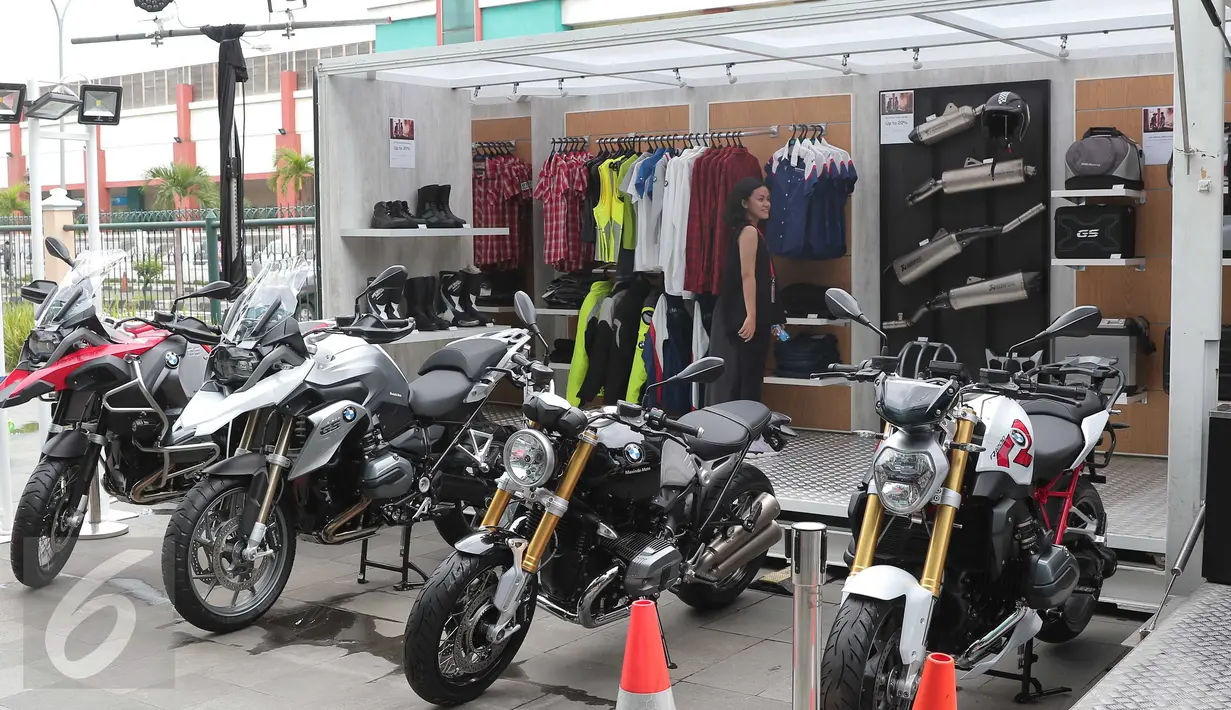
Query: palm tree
x=11, y=201
x=291, y=169
x=182, y=181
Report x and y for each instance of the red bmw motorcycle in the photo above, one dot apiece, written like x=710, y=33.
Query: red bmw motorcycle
x=115, y=389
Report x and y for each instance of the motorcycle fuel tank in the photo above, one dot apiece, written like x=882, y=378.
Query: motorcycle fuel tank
x=625, y=464
x=1008, y=440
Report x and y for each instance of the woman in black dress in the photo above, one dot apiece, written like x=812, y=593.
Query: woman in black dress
x=747, y=307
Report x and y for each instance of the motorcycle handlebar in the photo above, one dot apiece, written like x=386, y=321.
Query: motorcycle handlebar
x=680, y=428
x=1070, y=391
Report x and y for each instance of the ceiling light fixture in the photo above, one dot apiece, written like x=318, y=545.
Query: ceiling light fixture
x=846, y=67
x=679, y=80
x=731, y=78
x=474, y=95
x=918, y=64
x=1064, y=46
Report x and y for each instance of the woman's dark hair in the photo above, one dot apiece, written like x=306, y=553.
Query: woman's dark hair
x=735, y=215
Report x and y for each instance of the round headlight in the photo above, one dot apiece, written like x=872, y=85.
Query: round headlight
x=904, y=479
x=529, y=458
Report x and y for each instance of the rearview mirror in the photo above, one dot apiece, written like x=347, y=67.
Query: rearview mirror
x=213, y=289
x=56, y=248
x=37, y=291
x=525, y=309
x=705, y=371
x=843, y=305
x=1076, y=323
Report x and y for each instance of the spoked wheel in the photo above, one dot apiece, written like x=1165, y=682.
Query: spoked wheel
x=862, y=667
x=447, y=655
x=212, y=585
x=1086, y=517
x=747, y=483
x=48, y=520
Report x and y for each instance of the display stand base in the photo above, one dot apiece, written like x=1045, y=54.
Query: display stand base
x=102, y=530
x=404, y=568
x=1032, y=689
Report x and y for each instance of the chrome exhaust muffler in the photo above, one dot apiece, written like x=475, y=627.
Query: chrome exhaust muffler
x=740, y=545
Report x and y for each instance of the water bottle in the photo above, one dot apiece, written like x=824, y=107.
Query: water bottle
x=780, y=333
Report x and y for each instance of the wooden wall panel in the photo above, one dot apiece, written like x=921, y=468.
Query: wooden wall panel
x=505, y=129
x=810, y=407
x=617, y=122
x=1123, y=292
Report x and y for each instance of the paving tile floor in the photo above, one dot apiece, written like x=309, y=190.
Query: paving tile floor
x=333, y=643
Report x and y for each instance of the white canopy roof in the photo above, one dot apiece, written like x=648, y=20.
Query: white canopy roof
x=793, y=41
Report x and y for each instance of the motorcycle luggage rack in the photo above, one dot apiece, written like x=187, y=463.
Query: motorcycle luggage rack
x=404, y=568
x=1032, y=689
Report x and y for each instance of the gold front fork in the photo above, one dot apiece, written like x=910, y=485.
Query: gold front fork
x=869, y=530
x=581, y=455
x=500, y=502
x=942, y=529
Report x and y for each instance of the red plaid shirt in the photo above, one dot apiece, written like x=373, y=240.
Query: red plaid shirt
x=561, y=188
x=501, y=191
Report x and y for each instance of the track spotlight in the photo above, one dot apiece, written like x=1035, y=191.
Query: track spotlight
x=560, y=88
x=918, y=64
x=474, y=94
x=1064, y=46
x=679, y=80
x=731, y=78
x=513, y=95
x=846, y=67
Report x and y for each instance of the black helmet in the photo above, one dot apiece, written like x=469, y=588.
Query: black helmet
x=1006, y=117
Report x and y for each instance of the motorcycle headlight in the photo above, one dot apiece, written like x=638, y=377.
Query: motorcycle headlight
x=43, y=343
x=529, y=458
x=234, y=364
x=907, y=479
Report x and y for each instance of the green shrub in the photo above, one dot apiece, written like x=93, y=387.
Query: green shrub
x=18, y=322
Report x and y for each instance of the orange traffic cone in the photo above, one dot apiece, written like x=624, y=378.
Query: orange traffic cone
x=644, y=682
x=938, y=688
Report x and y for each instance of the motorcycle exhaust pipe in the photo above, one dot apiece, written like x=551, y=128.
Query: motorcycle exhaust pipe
x=988, y=292
x=975, y=175
x=953, y=121
x=739, y=545
x=946, y=245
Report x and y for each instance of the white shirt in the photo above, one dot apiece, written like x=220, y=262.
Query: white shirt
x=648, y=256
x=673, y=237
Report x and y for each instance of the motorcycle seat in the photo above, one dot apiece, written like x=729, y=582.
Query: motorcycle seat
x=1075, y=412
x=754, y=415
x=1057, y=441
x=439, y=392
x=472, y=358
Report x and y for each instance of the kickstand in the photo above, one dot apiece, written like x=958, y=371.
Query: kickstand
x=405, y=568
x=1032, y=689
x=662, y=633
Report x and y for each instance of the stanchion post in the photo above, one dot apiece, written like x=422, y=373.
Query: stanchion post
x=808, y=548
x=97, y=527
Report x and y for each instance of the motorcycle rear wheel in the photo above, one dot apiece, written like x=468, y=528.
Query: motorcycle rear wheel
x=446, y=657
x=862, y=666
x=51, y=497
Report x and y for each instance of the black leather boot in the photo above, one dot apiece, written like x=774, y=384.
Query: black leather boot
x=403, y=211
x=386, y=216
x=452, y=290
x=432, y=302
x=413, y=309
x=472, y=283
x=442, y=204
x=426, y=209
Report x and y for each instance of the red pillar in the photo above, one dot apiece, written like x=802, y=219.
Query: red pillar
x=185, y=149
x=17, y=161
x=291, y=139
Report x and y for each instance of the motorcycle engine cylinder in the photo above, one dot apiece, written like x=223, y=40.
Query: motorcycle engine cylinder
x=653, y=563
x=1050, y=577
x=386, y=476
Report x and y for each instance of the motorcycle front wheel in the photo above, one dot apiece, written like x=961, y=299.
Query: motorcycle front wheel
x=209, y=582
x=446, y=655
x=862, y=667
x=44, y=532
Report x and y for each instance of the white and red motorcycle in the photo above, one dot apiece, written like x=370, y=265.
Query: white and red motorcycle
x=978, y=528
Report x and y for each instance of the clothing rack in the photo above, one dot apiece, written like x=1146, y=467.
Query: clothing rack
x=693, y=138
x=504, y=147
x=569, y=143
x=807, y=130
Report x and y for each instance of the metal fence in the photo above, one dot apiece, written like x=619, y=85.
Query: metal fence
x=169, y=253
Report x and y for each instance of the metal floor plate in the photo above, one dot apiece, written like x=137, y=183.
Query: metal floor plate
x=1184, y=665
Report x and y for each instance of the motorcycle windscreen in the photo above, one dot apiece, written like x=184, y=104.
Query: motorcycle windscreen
x=75, y=292
x=272, y=297
x=911, y=403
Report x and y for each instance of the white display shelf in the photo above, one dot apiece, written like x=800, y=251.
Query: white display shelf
x=1118, y=191
x=565, y=312
x=560, y=366
x=1226, y=262
x=817, y=321
x=1082, y=264
x=428, y=336
x=424, y=232
x=495, y=309
x=1139, y=398
x=804, y=382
